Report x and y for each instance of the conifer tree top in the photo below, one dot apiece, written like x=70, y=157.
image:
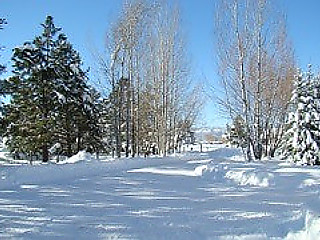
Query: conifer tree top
x=49, y=28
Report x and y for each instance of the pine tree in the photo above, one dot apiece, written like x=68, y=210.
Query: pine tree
x=301, y=140
x=289, y=148
x=33, y=67
x=20, y=114
x=3, y=22
x=106, y=124
x=3, y=84
x=70, y=87
x=93, y=132
x=78, y=108
x=237, y=133
x=52, y=104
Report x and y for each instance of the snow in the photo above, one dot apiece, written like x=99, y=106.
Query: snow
x=196, y=147
x=311, y=230
x=80, y=156
x=172, y=172
x=198, y=171
x=246, y=237
x=62, y=99
x=259, y=179
x=193, y=195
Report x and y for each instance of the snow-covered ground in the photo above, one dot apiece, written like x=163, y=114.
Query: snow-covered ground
x=210, y=195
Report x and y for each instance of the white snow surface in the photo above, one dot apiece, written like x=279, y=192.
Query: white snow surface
x=311, y=230
x=80, y=156
x=253, y=178
x=197, y=172
x=210, y=195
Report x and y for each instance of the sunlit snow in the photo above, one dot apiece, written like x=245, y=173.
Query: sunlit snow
x=193, y=195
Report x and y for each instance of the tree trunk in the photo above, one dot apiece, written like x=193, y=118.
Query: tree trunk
x=45, y=153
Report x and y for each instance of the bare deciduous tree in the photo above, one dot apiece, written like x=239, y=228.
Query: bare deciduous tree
x=256, y=65
x=147, y=72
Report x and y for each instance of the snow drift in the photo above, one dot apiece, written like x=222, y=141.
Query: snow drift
x=80, y=156
x=252, y=178
x=197, y=172
x=311, y=230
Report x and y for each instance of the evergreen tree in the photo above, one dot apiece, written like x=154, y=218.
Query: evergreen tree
x=237, y=133
x=106, y=124
x=78, y=113
x=301, y=140
x=35, y=99
x=21, y=114
x=2, y=23
x=52, y=104
x=2, y=82
x=93, y=133
x=70, y=88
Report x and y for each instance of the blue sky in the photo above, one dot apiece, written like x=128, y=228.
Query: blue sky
x=86, y=22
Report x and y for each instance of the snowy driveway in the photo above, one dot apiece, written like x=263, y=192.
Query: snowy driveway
x=198, y=196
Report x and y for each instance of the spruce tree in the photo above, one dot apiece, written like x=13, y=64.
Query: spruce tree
x=3, y=84
x=35, y=99
x=52, y=104
x=301, y=139
x=93, y=133
x=70, y=88
x=106, y=124
x=78, y=108
x=237, y=133
x=3, y=22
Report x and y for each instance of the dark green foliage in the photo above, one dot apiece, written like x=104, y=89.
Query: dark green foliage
x=35, y=98
x=2, y=67
x=301, y=142
x=3, y=22
x=237, y=133
x=50, y=104
x=93, y=129
x=106, y=123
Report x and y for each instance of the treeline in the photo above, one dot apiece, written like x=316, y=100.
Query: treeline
x=142, y=104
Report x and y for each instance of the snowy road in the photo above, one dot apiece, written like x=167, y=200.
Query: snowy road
x=198, y=196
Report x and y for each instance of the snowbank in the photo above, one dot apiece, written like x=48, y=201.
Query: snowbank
x=197, y=172
x=200, y=170
x=47, y=173
x=246, y=237
x=80, y=156
x=310, y=182
x=161, y=171
x=311, y=230
x=227, y=153
x=252, y=178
